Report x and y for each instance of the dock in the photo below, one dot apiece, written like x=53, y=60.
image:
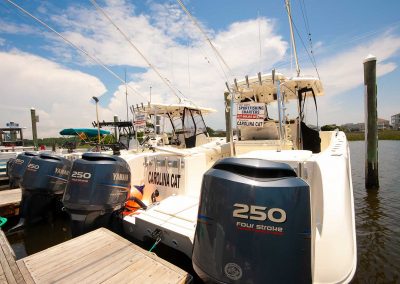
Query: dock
x=9, y=271
x=10, y=200
x=100, y=256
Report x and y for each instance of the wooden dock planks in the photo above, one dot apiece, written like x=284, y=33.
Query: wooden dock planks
x=100, y=256
x=9, y=202
x=9, y=270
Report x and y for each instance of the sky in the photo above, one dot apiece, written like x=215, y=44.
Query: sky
x=39, y=69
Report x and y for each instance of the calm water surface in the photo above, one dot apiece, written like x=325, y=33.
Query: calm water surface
x=377, y=215
x=377, y=222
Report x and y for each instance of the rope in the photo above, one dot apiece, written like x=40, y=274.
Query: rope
x=156, y=234
x=307, y=26
x=94, y=59
x=134, y=47
x=309, y=56
x=221, y=59
x=155, y=244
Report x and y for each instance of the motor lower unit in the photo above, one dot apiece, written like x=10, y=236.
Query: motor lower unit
x=98, y=186
x=253, y=224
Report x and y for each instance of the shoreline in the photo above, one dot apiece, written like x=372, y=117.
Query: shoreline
x=382, y=135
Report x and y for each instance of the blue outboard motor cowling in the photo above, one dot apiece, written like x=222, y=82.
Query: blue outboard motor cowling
x=43, y=183
x=98, y=186
x=16, y=168
x=253, y=224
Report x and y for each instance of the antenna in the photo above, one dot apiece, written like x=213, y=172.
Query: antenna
x=94, y=59
x=163, y=79
x=126, y=97
x=219, y=56
x=292, y=36
x=150, y=94
x=259, y=38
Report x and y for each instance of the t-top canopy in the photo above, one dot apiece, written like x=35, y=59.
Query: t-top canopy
x=89, y=132
x=172, y=109
x=263, y=90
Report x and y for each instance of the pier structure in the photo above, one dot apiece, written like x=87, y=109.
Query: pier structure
x=100, y=256
x=10, y=200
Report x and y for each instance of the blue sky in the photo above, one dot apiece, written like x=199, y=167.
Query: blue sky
x=40, y=70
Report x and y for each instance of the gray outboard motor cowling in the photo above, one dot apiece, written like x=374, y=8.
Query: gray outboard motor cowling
x=254, y=224
x=98, y=185
x=43, y=182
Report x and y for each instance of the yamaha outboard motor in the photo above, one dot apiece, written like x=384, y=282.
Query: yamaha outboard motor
x=98, y=186
x=253, y=224
x=43, y=184
x=16, y=168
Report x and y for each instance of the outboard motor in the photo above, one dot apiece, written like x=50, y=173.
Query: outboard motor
x=253, y=224
x=43, y=184
x=16, y=168
x=99, y=185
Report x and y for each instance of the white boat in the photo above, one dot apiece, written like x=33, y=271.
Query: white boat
x=279, y=210
x=151, y=170
x=180, y=141
x=320, y=161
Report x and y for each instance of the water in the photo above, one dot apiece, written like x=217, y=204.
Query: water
x=377, y=215
x=377, y=222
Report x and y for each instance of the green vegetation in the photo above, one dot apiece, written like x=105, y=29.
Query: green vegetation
x=63, y=141
x=351, y=136
x=215, y=133
x=382, y=135
x=331, y=127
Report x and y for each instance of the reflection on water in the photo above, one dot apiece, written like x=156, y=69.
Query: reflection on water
x=377, y=222
x=377, y=216
x=40, y=236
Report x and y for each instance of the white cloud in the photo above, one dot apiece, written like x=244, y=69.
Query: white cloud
x=190, y=66
x=343, y=72
x=13, y=28
x=170, y=41
x=61, y=96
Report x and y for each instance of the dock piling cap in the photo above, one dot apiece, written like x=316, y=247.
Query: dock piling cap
x=370, y=57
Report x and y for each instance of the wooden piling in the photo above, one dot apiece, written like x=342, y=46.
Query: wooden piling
x=34, y=129
x=228, y=125
x=371, y=125
x=116, y=128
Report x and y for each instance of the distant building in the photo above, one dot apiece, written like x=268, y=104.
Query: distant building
x=383, y=124
x=395, y=121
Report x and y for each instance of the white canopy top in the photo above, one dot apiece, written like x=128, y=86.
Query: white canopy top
x=265, y=91
x=173, y=109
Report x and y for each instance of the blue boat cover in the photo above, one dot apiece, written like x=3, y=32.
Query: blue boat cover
x=89, y=132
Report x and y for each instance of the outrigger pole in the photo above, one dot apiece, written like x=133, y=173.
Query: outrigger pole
x=287, y=2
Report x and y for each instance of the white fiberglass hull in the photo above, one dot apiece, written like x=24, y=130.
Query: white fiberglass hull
x=333, y=238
